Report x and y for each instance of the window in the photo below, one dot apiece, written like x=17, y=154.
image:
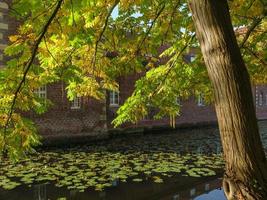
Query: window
x=207, y=187
x=113, y=98
x=200, y=100
x=193, y=192
x=260, y=99
x=41, y=92
x=76, y=103
x=256, y=97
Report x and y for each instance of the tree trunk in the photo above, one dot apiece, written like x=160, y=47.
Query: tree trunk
x=246, y=166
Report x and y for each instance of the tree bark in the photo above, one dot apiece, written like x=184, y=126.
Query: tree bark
x=246, y=166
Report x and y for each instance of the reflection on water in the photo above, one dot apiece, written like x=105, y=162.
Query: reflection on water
x=171, y=190
x=40, y=192
x=216, y=194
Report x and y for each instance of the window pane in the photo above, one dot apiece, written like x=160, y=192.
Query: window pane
x=114, y=98
x=41, y=92
x=76, y=103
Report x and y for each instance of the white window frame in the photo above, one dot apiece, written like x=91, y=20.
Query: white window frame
x=112, y=98
x=41, y=92
x=200, y=100
x=76, y=103
x=260, y=99
x=256, y=96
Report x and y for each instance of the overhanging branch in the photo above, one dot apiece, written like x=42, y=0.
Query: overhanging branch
x=29, y=64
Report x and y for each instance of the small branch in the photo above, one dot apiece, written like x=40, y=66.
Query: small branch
x=171, y=19
x=245, y=17
x=250, y=5
x=72, y=12
x=254, y=24
x=102, y=32
x=49, y=52
x=149, y=29
x=255, y=55
x=68, y=58
x=146, y=34
x=59, y=25
x=45, y=11
x=29, y=64
x=172, y=65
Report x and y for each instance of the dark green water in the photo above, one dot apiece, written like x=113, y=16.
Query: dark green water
x=177, y=166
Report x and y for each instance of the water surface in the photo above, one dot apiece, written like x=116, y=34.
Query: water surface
x=179, y=165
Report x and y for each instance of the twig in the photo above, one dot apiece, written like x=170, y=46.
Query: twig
x=49, y=52
x=254, y=24
x=146, y=34
x=171, y=20
x=45, y=11
x=256, y=56
x=72, y=12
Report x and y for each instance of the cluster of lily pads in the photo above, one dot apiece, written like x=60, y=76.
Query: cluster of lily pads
x=105, y=164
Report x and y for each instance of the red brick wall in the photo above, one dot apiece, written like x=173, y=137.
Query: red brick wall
x=93, y=114
x=191, y=113
x=261, y=108
x=62, y=119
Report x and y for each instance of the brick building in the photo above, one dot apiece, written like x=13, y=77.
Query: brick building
x=86, y=115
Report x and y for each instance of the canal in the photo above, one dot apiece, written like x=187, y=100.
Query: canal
x=178, y=165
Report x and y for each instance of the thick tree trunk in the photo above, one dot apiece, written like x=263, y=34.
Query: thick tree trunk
x=246, y=166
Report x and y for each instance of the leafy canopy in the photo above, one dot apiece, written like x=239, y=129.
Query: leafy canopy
x=88, y=44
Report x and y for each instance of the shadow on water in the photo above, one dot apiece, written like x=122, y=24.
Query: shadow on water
x=181, y=165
